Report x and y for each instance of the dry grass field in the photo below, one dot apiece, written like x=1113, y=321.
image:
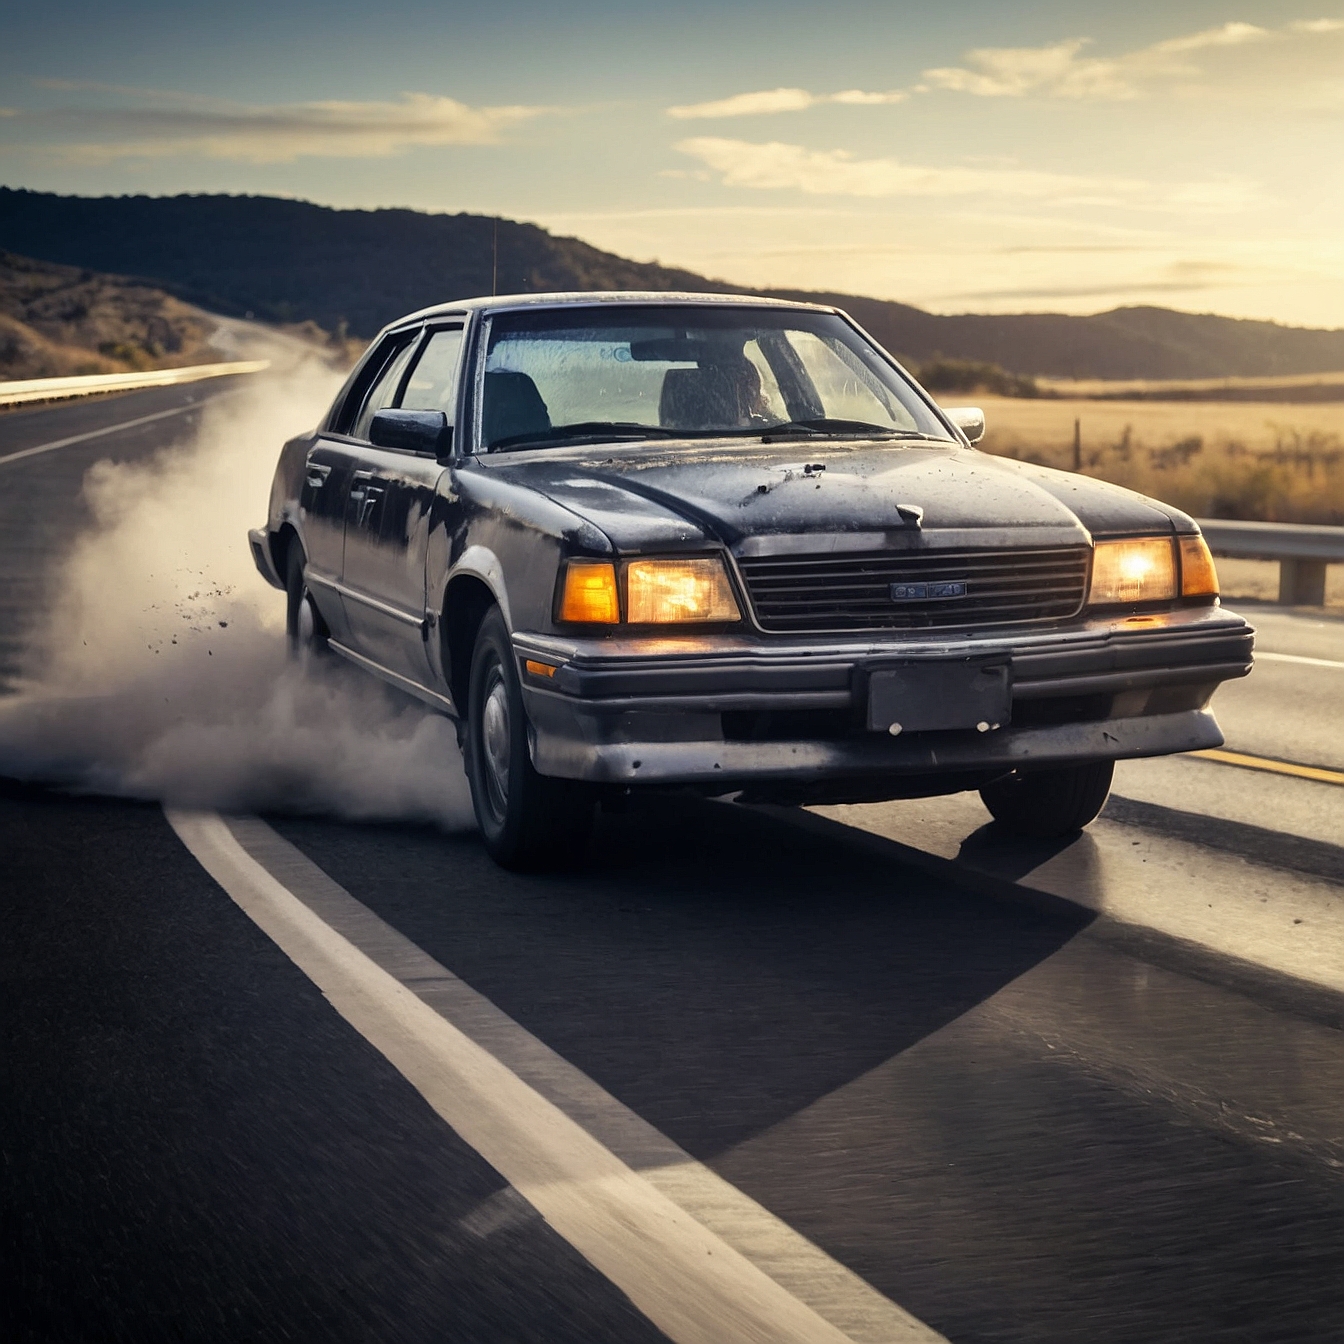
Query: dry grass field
x=1272, y=461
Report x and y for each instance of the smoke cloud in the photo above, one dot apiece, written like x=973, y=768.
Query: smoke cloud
x=157, y=669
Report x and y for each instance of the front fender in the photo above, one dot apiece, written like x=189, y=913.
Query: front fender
x=479, y=562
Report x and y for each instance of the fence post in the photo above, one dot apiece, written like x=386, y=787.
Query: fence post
x=1302, y=583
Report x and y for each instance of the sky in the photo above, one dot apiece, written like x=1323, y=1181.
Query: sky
x=968, y=156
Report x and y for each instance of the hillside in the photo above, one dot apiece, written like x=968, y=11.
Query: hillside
x=290, y=261
x=287, y=261
x=57, y=320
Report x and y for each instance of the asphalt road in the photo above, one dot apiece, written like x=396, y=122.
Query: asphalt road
x=1060, y=1093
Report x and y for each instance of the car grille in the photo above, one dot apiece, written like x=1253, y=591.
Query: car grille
x=853, y=592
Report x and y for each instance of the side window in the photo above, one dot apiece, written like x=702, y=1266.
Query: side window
x=384, y=389
x=432, y=385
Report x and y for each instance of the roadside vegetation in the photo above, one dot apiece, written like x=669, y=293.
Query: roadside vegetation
x=58, y=321
x=1269, y=462
x=941, y=374
x=62, y=320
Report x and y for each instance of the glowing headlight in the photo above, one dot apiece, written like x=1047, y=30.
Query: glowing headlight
x=1139, y=570
x=669, y=592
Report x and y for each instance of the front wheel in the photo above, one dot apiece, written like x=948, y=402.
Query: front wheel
x=528, y=821
x=1047, y=804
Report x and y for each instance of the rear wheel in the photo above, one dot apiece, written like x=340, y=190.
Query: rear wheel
x=1046, y=804
x=528, y=821
x=307, y=631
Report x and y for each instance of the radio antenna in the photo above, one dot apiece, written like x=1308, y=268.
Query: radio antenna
x=494, y=263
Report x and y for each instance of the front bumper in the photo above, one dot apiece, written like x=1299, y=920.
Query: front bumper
x=720, y=711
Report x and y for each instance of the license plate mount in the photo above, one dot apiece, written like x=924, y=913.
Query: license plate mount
x=939, y=695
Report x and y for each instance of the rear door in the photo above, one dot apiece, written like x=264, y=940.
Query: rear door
x=388, y=513
x=329, y=474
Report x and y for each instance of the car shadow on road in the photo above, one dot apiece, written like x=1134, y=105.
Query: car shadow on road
x=993, y=848
x=714, y=968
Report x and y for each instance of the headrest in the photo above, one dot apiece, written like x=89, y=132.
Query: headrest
x=698, y=399
x=511, y=405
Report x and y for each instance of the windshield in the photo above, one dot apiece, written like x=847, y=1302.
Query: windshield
x=604, y=374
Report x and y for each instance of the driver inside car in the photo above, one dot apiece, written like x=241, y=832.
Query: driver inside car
x=723, y=395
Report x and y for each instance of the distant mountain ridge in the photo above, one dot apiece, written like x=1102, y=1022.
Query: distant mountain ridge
x=292, y=261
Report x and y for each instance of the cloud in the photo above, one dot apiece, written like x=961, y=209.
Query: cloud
x=776, y=166
x=276, y=133
x=1184, y=277
x=1228, y=35
x=1062, y=70
x=782, y=167
x=1014, y=72
x=781, y=100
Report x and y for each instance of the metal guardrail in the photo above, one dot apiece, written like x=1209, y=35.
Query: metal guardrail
x=1303, y=550
x=84, y=385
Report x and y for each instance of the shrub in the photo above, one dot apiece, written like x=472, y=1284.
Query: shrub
x=965, y=375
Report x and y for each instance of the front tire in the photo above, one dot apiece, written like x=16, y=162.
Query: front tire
x=1049, y=804
x=529, y=822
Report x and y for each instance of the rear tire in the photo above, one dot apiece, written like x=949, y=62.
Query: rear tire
x=306, y=630
x=1048, y=804
x=529, y=822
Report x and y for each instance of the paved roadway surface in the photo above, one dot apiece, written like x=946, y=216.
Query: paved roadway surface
x=1050, y=1093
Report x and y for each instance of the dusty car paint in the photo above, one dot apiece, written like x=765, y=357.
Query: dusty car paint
x=403, y=550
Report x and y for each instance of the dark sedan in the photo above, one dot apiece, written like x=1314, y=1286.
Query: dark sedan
x=653, y=540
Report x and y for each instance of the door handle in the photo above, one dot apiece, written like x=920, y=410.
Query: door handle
x=367, y=493
x=317, y=474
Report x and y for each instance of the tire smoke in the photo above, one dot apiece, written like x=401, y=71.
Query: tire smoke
x=158, y=670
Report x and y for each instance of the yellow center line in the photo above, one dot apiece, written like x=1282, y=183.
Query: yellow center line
x=1315, y=772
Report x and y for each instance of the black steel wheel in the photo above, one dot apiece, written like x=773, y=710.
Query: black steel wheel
x=528, y=821
x=307, y=631
x=1046, y=804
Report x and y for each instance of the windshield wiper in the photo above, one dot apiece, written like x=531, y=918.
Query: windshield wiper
x=594, y=431
x=831, y=425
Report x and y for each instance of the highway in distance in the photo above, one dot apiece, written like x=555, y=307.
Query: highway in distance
x=868, y=1073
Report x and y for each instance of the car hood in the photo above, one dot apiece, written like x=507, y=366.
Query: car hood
x=762, y=498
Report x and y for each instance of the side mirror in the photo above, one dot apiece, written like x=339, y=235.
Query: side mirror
x=425, y=432
x=969, y=419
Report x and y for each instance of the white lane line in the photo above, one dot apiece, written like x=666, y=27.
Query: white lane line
x=98, y=433
x=1264, y=656
x=699, y=1258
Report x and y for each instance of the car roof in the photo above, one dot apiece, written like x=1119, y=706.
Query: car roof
x=596, y=298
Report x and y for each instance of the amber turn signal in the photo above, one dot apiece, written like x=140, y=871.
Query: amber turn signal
x=1199, y=577
x=539, y=669
x=672, y=592
x=589, y=596
x=1138, y=569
